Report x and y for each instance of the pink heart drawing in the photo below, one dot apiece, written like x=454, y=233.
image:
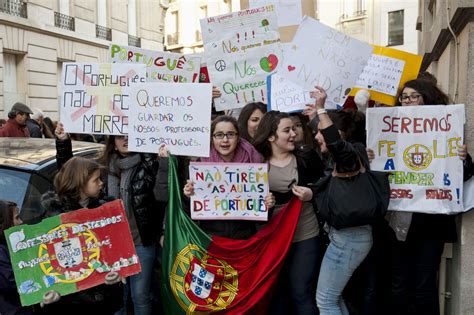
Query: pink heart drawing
x=291, y=68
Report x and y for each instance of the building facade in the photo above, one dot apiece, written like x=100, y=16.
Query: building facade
x=378, y=22
x=446, y=41
x=183, y=31
x=37, y=36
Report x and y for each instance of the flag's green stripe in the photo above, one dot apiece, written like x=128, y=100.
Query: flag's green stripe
x=180, y=231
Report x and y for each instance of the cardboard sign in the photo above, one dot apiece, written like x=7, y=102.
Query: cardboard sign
x=160, y=66
x=95, y=97
x=241, y=50
x=387, y=70
x=71, y=252
x=233, y=191
x=286, y=96
x=418, y=145
x=175, y=115
x=329, y=59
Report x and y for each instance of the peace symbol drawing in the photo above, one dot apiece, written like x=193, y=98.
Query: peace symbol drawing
x=220, y=65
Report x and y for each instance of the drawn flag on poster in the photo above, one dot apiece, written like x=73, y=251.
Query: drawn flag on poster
x=330, y=59
x=71, y=252
x=241, y=50
x=95, y=97
x=418, y=145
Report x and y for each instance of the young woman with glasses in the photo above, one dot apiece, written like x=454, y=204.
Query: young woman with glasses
x=228, y=147
x=418, y=238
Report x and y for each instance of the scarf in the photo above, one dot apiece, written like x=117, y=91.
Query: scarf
x=120, y=173
x=244, y=153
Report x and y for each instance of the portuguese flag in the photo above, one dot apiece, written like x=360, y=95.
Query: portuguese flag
x=209, y=274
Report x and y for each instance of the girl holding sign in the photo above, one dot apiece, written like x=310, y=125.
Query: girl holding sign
x=418, y=238
x=141, y=181
x=228, y=147
x=290, y=172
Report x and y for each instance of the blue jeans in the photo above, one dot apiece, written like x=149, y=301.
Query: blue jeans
x=140, y=284
x=344, y=254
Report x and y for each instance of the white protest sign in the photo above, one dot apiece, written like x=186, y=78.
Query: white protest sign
x=241, y=50
x=160, y=66
x=289, y=12
x=175, y=115
x=418, y=146
x=95, y=97
x=381, y=74
x=468, y=194
x=320, y=55
x=231, y=191
x=286, y=96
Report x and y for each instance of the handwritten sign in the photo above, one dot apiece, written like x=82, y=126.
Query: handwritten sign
x=95, y=97
x=160, y=66
x=241, y=49
x=175, y=115
x=234, y=191
x=289, y=12
x=386, y=70
x=418, y=146
x=71, y=252
x=329, y=59
x=286, y=96
x=381, y=74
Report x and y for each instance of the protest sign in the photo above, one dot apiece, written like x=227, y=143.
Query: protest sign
x=468, y=194
x=160, y=66
x=331, y=59
x=286, y=96
x=288, y=12
x=386, y=70
x=418, y=146
x=233, y=191
x=95, y=97
x=71, y=252
x=241, y=50
x=175, y=115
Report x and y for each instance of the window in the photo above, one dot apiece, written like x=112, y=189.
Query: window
x=395, y=28
x=353, y=9
x=173, y=27
x=132, y=17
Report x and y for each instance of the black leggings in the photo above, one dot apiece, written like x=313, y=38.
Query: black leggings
x=294, y=294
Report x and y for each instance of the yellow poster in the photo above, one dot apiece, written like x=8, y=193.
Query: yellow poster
x=386, y=67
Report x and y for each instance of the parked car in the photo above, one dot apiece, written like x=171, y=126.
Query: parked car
x=27, y=170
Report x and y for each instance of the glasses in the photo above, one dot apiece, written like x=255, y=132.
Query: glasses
x=412, y=98
x=230, y=135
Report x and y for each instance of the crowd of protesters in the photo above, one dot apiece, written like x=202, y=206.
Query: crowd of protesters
x=389, y=267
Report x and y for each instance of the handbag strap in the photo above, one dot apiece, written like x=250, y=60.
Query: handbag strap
x=362, y=169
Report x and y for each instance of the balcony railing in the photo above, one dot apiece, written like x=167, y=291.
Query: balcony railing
x=103, y=32
x=14, y=7
x=134, y=41
x=172, y=39
x=64, y=21
x=198, y=36
x=353, y=15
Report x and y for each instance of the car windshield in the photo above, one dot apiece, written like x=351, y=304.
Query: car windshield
x=25, y=189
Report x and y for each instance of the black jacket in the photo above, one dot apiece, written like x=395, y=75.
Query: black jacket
x=149, y=188
x=102, y=299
